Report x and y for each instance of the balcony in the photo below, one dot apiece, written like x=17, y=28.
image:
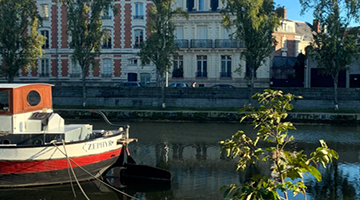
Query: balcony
x=106, y=75
x=225, y=74
x=138, y=16
x=44, y=74
x=75, y=75
x=227, y=43
x=182, y=43
x=178, y=73
x=201, y=74
x=201, y=43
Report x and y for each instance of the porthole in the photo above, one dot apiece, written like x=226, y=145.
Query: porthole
x=6, y=141
x=38, y=142
x=33, y=98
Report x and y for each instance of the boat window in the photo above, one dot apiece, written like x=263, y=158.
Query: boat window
x=33, y=98
x=4, y=101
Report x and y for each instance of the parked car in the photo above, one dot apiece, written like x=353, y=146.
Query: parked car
x=223, y=86
x=178, y=85
x=129, y=84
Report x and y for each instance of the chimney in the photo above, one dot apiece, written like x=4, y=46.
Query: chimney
x=284, y=13
x=316, y=25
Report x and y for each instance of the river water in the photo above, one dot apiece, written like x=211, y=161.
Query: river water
x=191, y=151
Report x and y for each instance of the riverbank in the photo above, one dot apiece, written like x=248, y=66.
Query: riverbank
x=204, y=116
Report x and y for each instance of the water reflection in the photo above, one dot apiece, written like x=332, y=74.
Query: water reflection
x=191, y=151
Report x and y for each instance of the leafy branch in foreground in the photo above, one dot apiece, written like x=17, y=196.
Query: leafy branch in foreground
x=288, y=167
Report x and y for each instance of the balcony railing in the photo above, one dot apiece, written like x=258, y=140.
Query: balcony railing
x=227, y=43
x=201, y=74
x=182, y=43
x=225, y=74
x=138, y=16
x=75, y=75
x=177, y=73
x=201, y=43
x=44, y=74
x=107, y=75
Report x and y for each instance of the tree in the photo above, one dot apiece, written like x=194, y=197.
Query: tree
x=84, y=25
x=18, y=47
x=334, y=46
x=272, y=132
x=254, y=21
x=160, y=47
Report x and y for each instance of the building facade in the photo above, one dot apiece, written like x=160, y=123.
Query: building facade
x=116, y=63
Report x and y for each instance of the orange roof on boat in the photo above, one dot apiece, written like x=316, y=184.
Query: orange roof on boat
x=23, y=98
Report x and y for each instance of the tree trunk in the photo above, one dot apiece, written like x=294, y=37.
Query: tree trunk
x=251, y=86
x=335, y=78
x=84, y=86
x=163, y=91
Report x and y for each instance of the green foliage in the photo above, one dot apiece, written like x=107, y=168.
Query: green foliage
x=85, y=28
x=18, y=47
x=268, y=120
x=254, y=22
x=334, y=48
x=160, y=47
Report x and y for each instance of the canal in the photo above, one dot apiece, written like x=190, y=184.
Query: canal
x=191, y=151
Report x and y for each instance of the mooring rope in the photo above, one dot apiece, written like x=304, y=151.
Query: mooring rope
x=101, y=181
x=73, y=172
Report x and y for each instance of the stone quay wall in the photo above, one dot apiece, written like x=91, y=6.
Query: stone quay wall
x=313, y=98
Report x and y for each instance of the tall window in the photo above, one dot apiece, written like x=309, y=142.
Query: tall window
x=139, y=37
x=225, y=66
x=107, y=13
x=44, y=71
x=44, y=11
x=201, y=5
x=107, y=68
x=178, y=66
x=75, y=69
x=201, y=66
x=46, y=35
x=107, y=39
x=179, y=32
x=139, y=11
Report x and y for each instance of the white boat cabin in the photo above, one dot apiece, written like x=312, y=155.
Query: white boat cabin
x=27, y=118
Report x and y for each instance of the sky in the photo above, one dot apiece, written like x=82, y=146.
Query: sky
x=293, y=9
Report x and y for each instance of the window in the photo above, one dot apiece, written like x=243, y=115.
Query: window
x=225, y=66
x=107, y=13
x=4, y=101
x=139, y=37
x=75, y=69
x=107, y=68
x=44, y=71
x=178, y=66
x=201, y=66
x=33, y=98
x=44, y=11
x=145, y=79
x=133, y=61
x=202, y=32
x=107, y=39
x=46, y=35
x=201, y=5
x=139, y=11
x=179, y=32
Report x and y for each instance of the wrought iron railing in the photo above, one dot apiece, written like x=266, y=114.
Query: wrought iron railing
x=138, y=16
x=225, y=74
x=201, y=43
x=201, y=74
x=181, y=43
x=44, y=74
x=227, y=43
x=75, y=75
x=107, y=75
x=177, y=73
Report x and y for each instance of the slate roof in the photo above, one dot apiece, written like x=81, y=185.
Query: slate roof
x=304, y=29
